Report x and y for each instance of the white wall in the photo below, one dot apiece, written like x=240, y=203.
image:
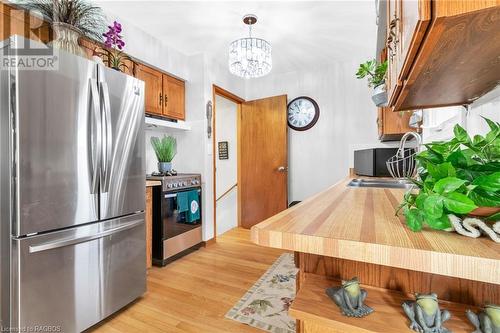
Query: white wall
x=227, y=170
x=320, y=156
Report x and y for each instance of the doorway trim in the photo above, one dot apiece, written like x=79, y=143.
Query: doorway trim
x=218, y=91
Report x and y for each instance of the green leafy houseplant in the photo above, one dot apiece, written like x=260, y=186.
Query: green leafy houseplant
x=165, y=148
x=373, y=71
x=455, y=177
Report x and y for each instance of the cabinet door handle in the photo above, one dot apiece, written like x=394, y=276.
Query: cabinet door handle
x=161, y=99
x=166, y=100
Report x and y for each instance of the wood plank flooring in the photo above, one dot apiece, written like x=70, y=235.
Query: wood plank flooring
x=194, y=293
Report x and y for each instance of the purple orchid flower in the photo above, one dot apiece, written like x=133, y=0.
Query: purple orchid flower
x=113, y=37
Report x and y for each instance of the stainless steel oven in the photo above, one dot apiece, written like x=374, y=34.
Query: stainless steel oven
x=177, y=218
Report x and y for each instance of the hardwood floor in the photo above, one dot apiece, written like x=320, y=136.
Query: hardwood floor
x=194, y=293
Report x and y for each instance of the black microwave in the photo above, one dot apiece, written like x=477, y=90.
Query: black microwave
x=371, y=162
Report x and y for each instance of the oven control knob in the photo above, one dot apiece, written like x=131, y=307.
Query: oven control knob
x=175, y=185
x=185, y=183
x=169, y=185
x=193, y=181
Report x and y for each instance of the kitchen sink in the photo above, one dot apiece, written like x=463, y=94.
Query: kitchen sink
x=380, y=183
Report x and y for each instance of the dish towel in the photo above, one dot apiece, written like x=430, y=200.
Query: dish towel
x=182, y=202
x=194, y=206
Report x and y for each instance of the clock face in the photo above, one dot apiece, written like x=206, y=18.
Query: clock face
x=303, y=113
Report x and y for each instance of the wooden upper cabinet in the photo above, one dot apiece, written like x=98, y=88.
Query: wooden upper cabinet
x=153, y=88
x=392, y=84
x=393, y=125
x=446, y=52
x=173, y=98
x=407, y=22
x=15, y=21
x=165, y=95
x=413, y=18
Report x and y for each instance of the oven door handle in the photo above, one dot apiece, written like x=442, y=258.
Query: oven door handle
x=174, y=195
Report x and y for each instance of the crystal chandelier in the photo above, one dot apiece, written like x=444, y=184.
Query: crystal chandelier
x=250, y=57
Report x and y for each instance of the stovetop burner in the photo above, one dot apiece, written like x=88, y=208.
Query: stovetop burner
x=164, y=174
x=174, y=181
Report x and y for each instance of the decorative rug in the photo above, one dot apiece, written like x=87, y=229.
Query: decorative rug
x=265, y=305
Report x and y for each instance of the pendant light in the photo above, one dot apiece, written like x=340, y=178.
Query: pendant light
x=250, y=57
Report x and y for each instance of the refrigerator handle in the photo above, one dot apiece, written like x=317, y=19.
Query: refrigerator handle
x=82, y=239
x=108, y=135
x=94, y=137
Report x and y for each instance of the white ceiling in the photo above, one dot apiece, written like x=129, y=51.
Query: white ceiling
x=302, y=33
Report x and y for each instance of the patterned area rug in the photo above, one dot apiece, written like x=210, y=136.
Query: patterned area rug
x=265, y=305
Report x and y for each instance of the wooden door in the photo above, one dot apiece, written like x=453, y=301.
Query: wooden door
x=153, y=81
x=263, y=159
x=174, y=99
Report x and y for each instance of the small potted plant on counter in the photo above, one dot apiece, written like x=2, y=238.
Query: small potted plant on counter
x=376, y=80
x=165, y=150
x=458, y=185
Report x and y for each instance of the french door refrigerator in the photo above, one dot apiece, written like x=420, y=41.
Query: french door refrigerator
x=72, y=166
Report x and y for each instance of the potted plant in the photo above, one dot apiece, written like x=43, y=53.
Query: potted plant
x=114, y=43
x=70, y=19
x=165, y=150
x=460, y=177
x=376, y=80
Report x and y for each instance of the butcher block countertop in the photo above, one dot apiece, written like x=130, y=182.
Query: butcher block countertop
x=359, y=224
x=153, y=183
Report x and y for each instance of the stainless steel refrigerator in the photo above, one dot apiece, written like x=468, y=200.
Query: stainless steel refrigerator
x=72, y=169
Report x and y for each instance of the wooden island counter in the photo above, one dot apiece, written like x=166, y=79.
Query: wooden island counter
x=344, y=232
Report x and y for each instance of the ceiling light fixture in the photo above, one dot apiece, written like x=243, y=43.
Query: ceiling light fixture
x=250, y=57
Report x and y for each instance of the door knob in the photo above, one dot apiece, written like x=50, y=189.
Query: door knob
x=282, y=169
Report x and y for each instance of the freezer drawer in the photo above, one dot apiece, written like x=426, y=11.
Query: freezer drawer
x=74, y=278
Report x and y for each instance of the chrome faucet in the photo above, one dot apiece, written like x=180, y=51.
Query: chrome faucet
x=402, y=143
x=403, y=164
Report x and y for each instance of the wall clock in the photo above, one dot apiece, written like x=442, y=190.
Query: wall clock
x=303, y=113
